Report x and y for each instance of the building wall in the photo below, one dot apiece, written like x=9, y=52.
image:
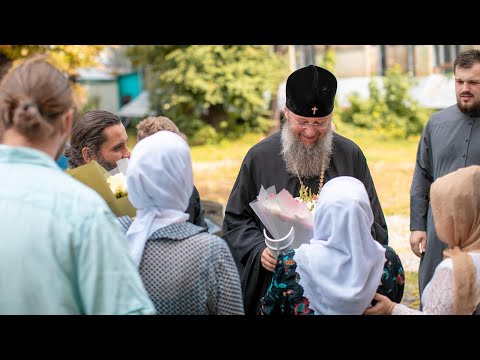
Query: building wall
x=398, y=55
x=130, y=85
x=352, y=60
x=373, y=53
x=364, y=60
x=467, y=47
x=423, y=55
x=106, y=91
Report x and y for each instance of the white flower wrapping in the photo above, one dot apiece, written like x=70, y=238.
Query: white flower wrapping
x=280, y=212
x=118, y=185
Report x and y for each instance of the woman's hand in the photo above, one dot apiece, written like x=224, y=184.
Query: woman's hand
x=267, y=260
x=384, y=306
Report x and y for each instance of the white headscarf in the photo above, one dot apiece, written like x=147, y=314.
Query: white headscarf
x=160, y=183
x=341, y=269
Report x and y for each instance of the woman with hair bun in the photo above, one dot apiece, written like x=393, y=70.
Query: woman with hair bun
x=61, y=249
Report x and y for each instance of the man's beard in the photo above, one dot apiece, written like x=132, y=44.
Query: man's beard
x=104, y=163
x=305, y=160
x=469, y=109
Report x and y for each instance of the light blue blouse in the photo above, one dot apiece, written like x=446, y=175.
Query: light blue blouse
x=61, y=249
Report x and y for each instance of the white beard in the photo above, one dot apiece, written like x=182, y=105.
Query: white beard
x=304, y=160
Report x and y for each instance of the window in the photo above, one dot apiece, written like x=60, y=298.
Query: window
x=445, y=56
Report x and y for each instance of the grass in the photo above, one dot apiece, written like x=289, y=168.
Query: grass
x=226, y=150
x=132, y=137
x=391, y=163
x=411, y=296
x=222, y=163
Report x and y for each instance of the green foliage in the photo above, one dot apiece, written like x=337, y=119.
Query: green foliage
x=329, y=60
x=66, y=57
x=205, y=135
x=392, y=111
x=411, y=295
x=212, y=91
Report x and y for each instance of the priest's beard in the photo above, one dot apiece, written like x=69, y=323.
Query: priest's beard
x=305, y=160
x=469, y=109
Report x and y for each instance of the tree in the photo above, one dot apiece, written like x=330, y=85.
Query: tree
x=66, y=57
x=212, y=90
x=391, y=111
x=329, y=59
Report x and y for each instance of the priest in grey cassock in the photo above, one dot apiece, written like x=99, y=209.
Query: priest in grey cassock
x=306, y=152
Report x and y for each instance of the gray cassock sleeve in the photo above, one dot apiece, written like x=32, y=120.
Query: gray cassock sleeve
x=422, y=180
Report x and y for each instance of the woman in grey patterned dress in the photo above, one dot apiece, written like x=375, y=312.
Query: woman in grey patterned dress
x=186, y=270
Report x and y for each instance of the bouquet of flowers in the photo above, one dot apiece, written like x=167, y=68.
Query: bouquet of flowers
x=118, y=185
x=117, y=180
x=279, y=213
x=111, y=186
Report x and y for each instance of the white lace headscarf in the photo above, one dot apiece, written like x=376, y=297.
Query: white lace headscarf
x=341, y=269
x=160, y=183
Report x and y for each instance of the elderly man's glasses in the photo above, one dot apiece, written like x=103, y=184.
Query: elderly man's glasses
x=315, y=124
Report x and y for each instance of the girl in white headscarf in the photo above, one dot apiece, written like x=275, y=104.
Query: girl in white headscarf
x=341, y=269
x=185, y=269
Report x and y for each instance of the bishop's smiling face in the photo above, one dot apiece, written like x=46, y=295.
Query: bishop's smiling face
x=306, y=148
x=308, y=130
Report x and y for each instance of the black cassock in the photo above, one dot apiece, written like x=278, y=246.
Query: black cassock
x=264, y=165
x=195, y=210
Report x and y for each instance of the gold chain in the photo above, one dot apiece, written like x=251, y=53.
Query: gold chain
x=305, y=192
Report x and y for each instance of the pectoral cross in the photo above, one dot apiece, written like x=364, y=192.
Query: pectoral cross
x=314, y=109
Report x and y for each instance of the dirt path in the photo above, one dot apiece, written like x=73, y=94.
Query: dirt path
x=399, y=234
